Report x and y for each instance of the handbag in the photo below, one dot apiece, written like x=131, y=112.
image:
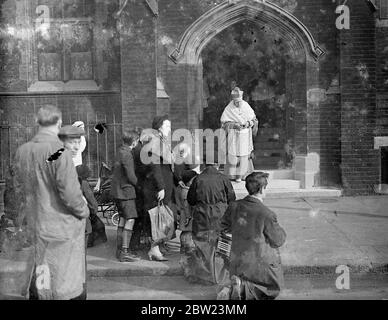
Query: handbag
x=162, y=222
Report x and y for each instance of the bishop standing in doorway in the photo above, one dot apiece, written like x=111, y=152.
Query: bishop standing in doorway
x=238, y=120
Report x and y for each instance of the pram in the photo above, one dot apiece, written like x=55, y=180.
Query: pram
x=106, y=204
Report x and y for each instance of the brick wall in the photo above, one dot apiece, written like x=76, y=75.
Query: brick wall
x=330, y=143
x=382, y=78
x=181, y=81
x=138, y=59
x=360, y=163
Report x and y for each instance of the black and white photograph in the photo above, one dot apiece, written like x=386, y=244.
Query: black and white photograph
x=206, y=151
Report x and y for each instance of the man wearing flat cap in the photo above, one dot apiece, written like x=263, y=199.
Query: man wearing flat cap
x=71, y=137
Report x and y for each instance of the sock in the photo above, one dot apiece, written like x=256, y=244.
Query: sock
x=119, y=237
x=127, y=235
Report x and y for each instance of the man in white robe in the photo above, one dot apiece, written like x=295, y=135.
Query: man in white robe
x=238, y=119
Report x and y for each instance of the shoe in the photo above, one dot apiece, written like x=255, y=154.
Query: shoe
x=238, y=180
x=155, y=254
x=236, y=288
x=126, y=256
x=160, y=257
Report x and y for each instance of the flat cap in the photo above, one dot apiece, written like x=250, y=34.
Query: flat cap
x=71, y=132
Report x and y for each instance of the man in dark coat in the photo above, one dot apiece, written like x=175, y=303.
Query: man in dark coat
x=123, y=191
x=255, y=266
x=209, y=194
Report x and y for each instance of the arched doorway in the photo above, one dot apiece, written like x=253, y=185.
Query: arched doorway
x=255, y=60
x=300, y=70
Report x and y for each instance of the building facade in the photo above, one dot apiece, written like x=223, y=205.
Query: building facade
x=123, y=62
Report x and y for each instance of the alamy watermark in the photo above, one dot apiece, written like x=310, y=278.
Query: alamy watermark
x=195, y=144
x=343, y=280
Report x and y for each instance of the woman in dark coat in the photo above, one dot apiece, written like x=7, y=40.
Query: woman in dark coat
x=95, y=228
x=255, y=266
x=209, y=194
x=159, y=181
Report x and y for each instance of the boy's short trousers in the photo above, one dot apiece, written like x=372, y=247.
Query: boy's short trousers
x=126, y=208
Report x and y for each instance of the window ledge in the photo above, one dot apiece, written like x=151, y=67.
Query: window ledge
x=73, y=85
x=382, y=23
x=380, y=142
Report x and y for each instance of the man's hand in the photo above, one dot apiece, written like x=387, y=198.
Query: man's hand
x=181, y=183
x=236, y=126
x=97, y=187
x=247, y=125
x=161, y=195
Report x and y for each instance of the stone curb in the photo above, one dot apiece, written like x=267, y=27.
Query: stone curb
x=288, y=270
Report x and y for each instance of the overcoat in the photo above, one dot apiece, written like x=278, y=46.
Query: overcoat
x=158, y=172
x=209, y=194
x=56, y=215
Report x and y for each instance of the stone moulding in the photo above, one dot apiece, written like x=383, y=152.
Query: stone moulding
x=263, y=13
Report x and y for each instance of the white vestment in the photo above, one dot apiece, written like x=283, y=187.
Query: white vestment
x=240, y=142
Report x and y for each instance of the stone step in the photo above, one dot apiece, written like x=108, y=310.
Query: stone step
x=278, y=174
x=272, y=184
x=296, y=193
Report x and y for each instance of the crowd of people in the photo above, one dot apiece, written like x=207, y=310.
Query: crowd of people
x=59, y=209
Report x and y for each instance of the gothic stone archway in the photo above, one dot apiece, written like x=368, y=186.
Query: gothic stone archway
x=301, y=74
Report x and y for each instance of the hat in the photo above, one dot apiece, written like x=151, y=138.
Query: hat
x=71, y=132
x=79, y=124
x=158, y=121
x=237, y=94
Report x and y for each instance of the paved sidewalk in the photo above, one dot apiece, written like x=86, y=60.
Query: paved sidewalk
x=322, y=233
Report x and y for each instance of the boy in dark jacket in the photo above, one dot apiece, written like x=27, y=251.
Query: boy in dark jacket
x=123, y=191
x=256, y=234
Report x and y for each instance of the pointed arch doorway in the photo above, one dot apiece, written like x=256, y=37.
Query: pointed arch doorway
x=301, y=54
